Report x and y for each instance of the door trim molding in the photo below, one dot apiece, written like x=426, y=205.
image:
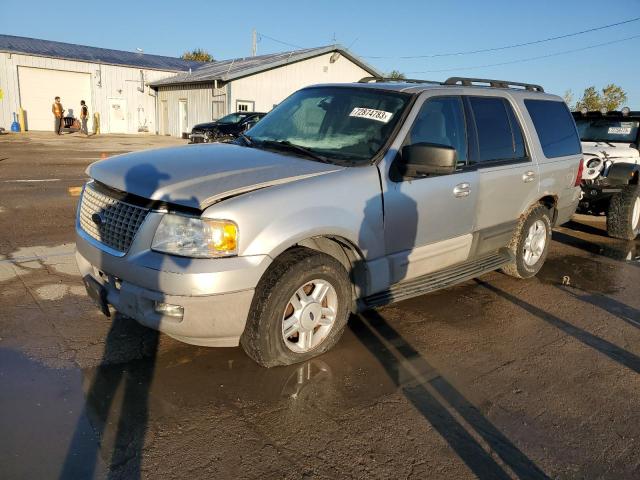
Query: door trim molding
x=429, y=258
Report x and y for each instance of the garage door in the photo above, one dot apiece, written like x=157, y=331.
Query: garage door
x=38, y=88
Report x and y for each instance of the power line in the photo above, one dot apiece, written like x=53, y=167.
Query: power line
x=522, y=60
x=506, y=47
x=262, y=35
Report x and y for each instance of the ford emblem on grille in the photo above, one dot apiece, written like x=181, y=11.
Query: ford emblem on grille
x=98, y=219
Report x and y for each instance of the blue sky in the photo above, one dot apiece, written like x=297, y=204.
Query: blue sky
x=372, y=28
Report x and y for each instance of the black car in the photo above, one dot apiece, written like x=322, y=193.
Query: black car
x=225, y=129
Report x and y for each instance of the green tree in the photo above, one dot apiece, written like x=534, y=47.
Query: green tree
x=199, y=55
x=397, y=75
x=590, y=99
x=613, y=97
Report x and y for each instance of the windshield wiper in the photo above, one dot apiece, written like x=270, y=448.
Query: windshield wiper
x=246, y=138
x=287, y=145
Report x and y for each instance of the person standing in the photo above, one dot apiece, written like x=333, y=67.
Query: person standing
x=84, y=117
x=58, y=112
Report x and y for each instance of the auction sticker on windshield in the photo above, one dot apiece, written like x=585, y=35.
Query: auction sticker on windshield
x=378, y=115
x=619, y=130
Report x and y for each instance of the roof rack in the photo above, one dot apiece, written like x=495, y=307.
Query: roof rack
x=469, y=82
x=401, y=80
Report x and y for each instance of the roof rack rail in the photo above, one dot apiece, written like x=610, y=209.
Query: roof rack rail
x=469, y=82
x=402, y=80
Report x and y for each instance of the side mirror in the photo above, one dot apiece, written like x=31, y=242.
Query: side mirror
x=422, y=159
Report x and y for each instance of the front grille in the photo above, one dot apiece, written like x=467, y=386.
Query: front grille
x=110, y=221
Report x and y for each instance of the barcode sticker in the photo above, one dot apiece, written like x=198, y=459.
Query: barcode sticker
x=370, y=113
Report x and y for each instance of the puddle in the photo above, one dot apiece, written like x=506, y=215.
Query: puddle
x=582, y=273
x=72, y=423
x=627, y=251
x=41, y=409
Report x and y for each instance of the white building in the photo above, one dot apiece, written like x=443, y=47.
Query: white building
x=136, y=92
x=111, y=82
x=249, y=84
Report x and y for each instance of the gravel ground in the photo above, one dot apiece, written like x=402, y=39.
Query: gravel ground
x=494, y=378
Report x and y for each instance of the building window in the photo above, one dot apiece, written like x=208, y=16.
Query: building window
x=245, y=105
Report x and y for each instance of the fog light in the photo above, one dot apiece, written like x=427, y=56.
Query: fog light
x=169, y=310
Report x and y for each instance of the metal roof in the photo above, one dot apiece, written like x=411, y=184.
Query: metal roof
x=70, y=51
x=226, y=70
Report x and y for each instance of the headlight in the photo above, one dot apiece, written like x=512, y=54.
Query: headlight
x=196, y=237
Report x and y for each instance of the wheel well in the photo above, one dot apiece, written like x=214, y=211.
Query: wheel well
x=346, y=253
x=551, y=202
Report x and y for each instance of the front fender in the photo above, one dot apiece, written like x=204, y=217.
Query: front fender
x=347, y=204
x=622, y=174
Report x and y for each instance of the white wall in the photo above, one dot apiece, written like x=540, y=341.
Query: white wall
x=116, y=82
x=271, y=87
x=199, y=104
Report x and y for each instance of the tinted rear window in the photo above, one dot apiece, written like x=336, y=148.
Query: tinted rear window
x=555, y=127
x=499, y=134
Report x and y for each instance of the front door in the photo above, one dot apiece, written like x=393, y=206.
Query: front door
x=428, y=221
x=183, y=117
x=117, y=115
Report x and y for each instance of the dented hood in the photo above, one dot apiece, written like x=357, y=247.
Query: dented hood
x=200, y=175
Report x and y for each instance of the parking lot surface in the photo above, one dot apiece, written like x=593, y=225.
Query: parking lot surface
x=495, y=378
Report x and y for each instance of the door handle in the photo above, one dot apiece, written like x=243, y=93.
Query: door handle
x=462, y=190
x=529, y=176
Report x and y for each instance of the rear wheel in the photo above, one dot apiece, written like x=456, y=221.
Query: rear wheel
x=623, y=217
x=300, y=309
x=530, y=243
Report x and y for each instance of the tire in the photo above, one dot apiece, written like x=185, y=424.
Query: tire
x=623, y=217
x=300, y=272
x=528, y=261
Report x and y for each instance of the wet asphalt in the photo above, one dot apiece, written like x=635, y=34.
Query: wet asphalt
x=495, y=378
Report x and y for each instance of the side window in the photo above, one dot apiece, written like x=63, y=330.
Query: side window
x=441, y=121
x=555, y=127
x=499, y=133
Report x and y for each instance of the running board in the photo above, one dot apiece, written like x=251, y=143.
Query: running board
x=440, y=279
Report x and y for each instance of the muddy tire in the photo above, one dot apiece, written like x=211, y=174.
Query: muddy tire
x=530, y=243
x=300, y=309
x=623, y=217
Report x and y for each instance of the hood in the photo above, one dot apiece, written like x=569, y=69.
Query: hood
x=606, y=150
x=206, y=126
x=199, y=175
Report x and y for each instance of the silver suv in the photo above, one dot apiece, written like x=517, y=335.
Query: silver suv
x=344, y=197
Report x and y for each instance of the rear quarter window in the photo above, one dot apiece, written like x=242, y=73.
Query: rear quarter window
x=555, y=128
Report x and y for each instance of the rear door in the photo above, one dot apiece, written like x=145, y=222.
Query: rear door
x=508, y=178
x=428, y=221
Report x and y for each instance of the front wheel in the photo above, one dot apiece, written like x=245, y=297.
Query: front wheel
x=530, y=243
x=300, y=309
x=623, y=217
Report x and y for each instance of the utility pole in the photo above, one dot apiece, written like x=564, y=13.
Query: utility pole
x=254, y=42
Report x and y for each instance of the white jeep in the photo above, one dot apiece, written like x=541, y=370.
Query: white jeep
x=610, y=144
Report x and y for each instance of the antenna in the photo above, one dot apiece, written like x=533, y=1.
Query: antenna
x=254, y=42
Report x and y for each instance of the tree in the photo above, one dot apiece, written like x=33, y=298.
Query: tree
x=395, y=74
x=198, y=55
x=568, y=97
x=590, y=99
x=611, y=98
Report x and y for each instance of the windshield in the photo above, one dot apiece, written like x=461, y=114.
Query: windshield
x=339, y=123
x=622, y=130
x=232, y=118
